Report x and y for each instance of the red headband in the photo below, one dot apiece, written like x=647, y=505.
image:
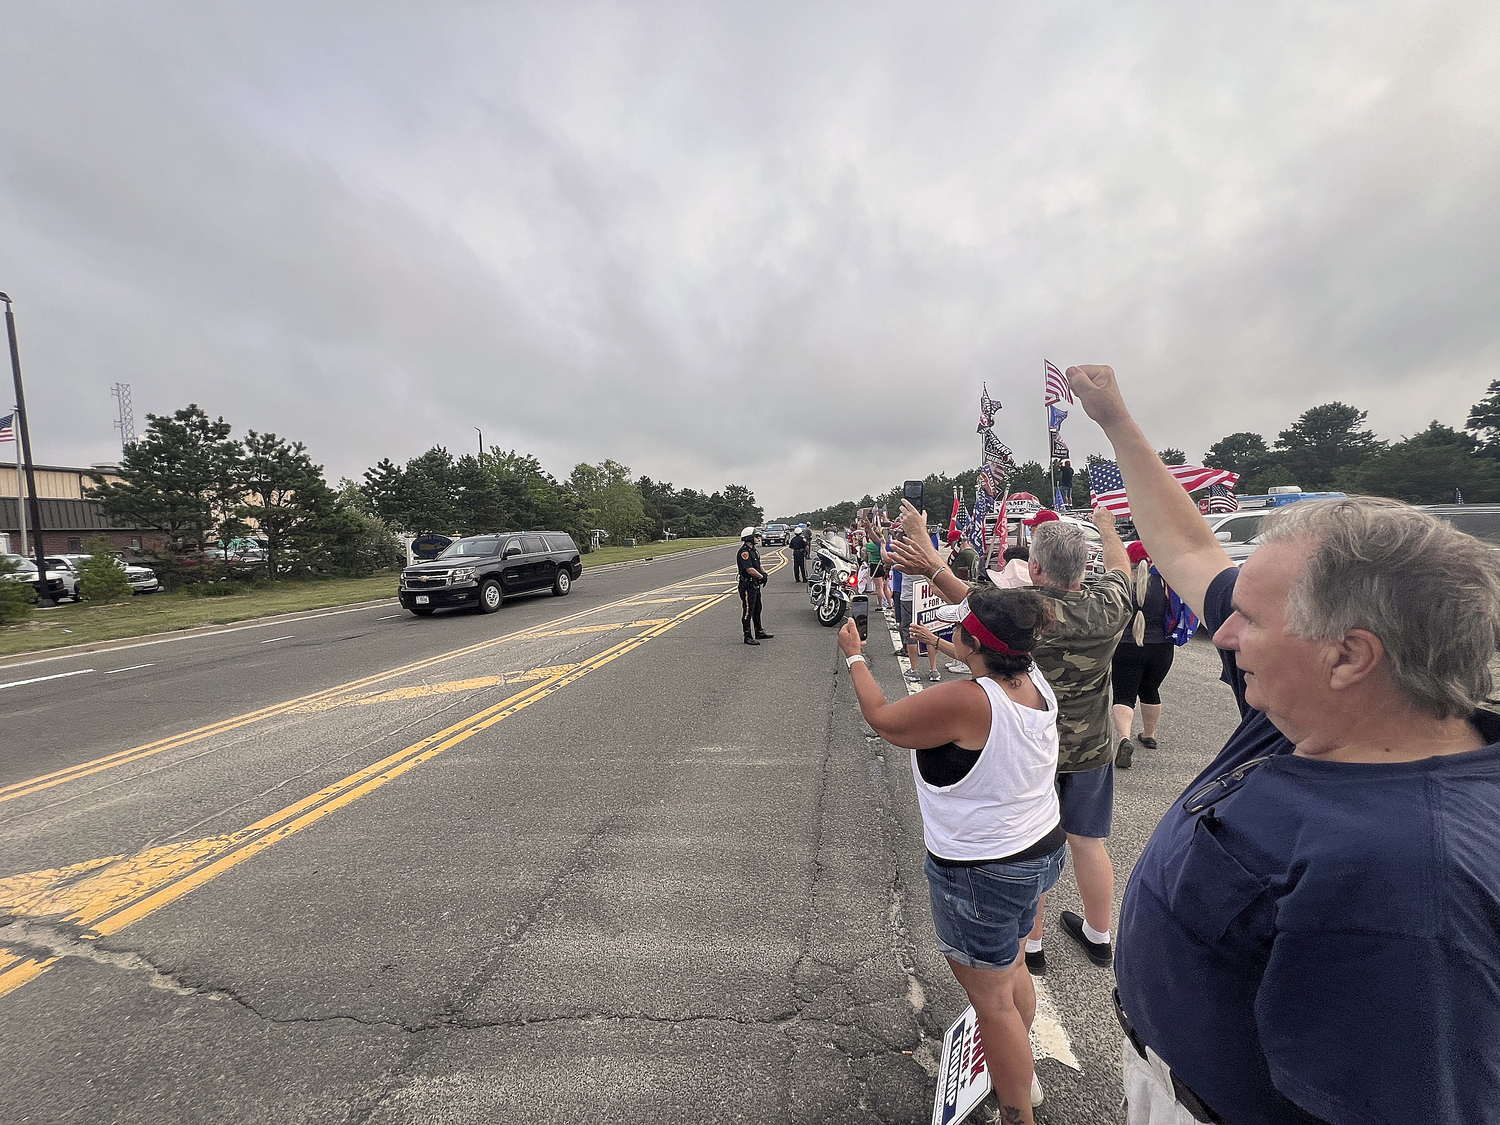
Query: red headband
x=976, y=627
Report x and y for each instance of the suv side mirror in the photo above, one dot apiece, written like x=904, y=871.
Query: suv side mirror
x=511, y=552
x=1222, y=536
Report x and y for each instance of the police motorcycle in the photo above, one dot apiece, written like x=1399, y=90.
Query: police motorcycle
x=832, y=578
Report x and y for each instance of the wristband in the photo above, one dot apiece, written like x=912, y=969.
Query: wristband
x=936, y=572
x=849, y=660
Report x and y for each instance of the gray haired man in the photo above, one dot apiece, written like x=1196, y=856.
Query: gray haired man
x=1313, y=931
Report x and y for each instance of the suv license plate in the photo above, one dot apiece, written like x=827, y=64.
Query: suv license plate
x=421, y=599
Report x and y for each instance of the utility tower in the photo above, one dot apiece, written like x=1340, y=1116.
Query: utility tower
x=125, y=417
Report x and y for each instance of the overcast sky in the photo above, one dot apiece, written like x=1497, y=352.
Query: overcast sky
x=780, y=245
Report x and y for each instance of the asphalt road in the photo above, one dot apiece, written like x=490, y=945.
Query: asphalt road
x=588, y=858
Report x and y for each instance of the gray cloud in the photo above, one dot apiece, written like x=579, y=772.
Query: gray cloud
x=780, y=245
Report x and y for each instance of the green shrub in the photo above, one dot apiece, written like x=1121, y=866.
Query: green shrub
x=101, y=578
x=17, y=599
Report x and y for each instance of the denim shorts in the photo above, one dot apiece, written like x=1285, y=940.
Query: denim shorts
x=982, y=913
x=1087, y=801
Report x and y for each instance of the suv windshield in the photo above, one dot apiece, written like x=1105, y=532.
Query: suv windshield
x=471, y=548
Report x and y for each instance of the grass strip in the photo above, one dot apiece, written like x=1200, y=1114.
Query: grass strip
x=150, y=614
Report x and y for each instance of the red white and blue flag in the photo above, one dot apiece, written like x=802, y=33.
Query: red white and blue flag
x=1057, y=386
x=8, y=427
x=1221, y=498
x=987, y=409
x=1107, y=487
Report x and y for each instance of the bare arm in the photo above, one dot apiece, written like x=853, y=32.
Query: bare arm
x=927, y=636
x=916, y=555
x=1178, y=539
x=1115, y=557
x=953, y=712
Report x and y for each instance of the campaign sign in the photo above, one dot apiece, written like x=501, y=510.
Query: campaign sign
x=924, y=606
x=963, y=1079
x=429, y=546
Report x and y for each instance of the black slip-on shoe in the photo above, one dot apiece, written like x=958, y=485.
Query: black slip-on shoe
x=1036, y=963
x=1101, y=953
x=1147, y=743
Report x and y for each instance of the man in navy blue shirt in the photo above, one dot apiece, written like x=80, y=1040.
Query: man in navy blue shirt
x=1313, y=932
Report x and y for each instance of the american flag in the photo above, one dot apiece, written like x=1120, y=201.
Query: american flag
x=8, y=427
x=1221, y=498
x=987, y=408
x=1107, y=487
x=1057, y=386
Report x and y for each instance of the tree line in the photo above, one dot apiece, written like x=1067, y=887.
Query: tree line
x=1328, y=448
x=190, y=480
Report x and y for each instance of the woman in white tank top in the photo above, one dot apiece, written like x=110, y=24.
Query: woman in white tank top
x=984, y=754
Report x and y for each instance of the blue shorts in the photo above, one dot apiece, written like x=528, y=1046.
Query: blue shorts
x=1088, y=801
x=982, y=913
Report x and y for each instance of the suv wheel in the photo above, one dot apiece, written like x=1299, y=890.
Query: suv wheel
x=490, y=596
x=562, y=583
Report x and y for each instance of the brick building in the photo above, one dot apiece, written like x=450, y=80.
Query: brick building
x=68, y=519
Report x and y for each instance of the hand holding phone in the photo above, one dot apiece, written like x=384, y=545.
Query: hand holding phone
x=911, y=491
x=859, y=609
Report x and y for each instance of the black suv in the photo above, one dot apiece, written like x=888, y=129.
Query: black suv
x=484, y=570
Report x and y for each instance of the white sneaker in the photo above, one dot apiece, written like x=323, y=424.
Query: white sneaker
x=957, y=667
x=1036, y=1091
x=911, y=676
x=935, y=676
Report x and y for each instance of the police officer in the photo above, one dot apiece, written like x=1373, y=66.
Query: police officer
x=752, y=578
x=799, y=555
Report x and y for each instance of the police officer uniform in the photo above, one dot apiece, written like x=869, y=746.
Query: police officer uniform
x=799, y=556
x=752, y=578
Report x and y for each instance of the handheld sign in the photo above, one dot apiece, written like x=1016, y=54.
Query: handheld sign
x=924, y=606
x=963, y=1079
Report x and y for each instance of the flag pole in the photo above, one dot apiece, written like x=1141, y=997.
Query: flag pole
x=1051, y=460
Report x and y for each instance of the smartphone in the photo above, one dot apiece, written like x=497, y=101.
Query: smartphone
x=911, y=491
x=859, y=609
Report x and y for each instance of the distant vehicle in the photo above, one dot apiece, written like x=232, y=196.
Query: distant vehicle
x=50, y=588
x=1282, y=495
x=68, y=572
x=142, y=579
x=775, y=535
x=1235, y=527
x=483, y=570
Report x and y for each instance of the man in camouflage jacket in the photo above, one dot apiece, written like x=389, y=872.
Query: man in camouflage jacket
x=1076, y=656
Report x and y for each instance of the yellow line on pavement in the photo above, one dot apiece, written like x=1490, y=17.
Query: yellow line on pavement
x=110, y=904
x=84, y=769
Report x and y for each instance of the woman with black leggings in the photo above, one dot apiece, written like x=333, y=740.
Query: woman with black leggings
x=1142, y=659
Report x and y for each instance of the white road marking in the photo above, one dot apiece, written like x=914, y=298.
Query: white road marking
x=279, y=619
x=39, y=679
x=132, y=668
x=391, y=617
x=288, y=637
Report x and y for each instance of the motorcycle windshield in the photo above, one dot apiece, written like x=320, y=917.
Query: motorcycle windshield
x=839, y=545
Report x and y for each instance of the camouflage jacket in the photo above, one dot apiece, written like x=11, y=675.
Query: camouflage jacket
x=1075, y=657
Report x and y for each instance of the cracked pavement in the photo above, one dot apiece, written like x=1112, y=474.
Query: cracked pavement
x=687, y=886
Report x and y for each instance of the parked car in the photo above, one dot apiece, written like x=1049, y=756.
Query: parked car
x=483, y=570
x=142, y=579
x=53, y=587
x=1235, y=527
x=68, y=572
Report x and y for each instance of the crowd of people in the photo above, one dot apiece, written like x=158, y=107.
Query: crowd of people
x=1312, y=933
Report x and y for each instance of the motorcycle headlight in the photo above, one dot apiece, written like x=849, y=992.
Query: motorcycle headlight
x=464, y=573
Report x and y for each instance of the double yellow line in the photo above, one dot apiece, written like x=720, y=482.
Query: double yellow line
x=113, y=914
x=124, y=757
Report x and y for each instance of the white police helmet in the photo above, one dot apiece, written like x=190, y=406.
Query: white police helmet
x=749, y=533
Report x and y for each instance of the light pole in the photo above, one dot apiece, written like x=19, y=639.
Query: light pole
x=36, y=508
